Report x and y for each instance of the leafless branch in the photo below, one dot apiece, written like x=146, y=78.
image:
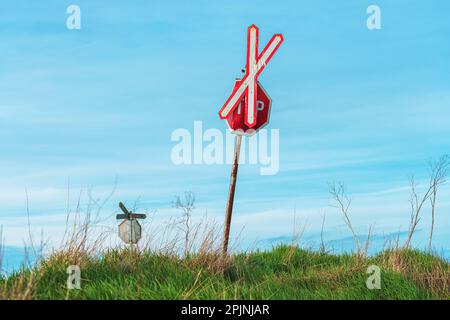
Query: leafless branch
x=186, y=205
x=343, y=202
x=438, y=176
x=439, y=170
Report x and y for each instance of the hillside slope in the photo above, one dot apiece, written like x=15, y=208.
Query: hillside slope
x=282, y=273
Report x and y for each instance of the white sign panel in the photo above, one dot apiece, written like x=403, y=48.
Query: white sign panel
x=130, y=231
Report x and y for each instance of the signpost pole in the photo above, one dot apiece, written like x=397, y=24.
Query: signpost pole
x=229, y=210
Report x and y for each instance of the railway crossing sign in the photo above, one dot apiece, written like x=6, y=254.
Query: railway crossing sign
x=248, y=108
x=248, y=86
x=130, y=230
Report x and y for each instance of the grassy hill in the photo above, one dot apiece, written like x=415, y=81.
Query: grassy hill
x=283, y=273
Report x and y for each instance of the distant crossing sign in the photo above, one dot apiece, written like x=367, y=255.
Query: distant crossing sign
x=130, y=230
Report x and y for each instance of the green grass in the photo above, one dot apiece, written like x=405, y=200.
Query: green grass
x=282, y=273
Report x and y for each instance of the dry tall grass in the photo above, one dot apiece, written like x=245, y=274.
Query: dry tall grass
x=432, y=274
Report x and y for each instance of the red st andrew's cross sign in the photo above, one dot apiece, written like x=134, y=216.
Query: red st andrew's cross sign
x=246, y=91
x=248, y=107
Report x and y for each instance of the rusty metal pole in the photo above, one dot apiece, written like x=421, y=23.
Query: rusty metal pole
x=229, y=212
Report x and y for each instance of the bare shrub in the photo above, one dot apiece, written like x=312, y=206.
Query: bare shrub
x=186, y=205
x=438, y=174
x=438, y=171
x=417, y=202
x=342, y=203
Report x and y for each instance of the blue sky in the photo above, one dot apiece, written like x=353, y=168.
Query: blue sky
x=363, y=107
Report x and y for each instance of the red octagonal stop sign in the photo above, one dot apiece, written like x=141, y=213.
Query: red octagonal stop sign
x=236, y=119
